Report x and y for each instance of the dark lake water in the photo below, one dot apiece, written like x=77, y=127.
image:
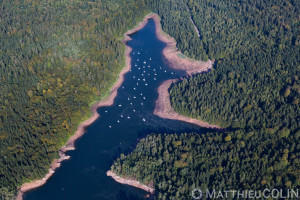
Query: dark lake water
x=117, y=130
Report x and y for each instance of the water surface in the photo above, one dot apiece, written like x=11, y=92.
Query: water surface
x=117, y=130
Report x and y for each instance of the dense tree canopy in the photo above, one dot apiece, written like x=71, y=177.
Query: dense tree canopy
x=253, y=91
x=255, y=82
x=177, y=164
x=56, y=57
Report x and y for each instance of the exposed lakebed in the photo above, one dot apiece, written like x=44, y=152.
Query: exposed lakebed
x=117, y=129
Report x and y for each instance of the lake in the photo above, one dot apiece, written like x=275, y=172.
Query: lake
x=118, y=129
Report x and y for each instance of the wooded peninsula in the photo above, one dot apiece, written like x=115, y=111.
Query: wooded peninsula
x=57, y=58
x=253, y=91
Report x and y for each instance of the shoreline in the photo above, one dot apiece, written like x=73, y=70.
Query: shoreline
x=131, y=182
x=81, y=128
x=164, y=109
x=163, y=106
x=171, y=52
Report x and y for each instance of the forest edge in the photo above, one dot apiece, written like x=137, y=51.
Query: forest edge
x=163, y=107
x=170, y=52
x=81, y=128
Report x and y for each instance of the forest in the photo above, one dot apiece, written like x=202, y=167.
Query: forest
x=255, y=81
x=175, y=164
x=56, y=58
x=253, y=91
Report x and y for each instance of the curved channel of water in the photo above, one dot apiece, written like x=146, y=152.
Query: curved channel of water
x=83, y=177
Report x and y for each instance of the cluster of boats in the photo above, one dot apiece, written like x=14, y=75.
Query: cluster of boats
x=146, y=72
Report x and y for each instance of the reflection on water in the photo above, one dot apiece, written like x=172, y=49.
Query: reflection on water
x=117, y=130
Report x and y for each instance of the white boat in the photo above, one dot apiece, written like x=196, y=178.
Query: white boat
x=109, y=126
x=144, y=119
x=118, y=121
x=121, y=115
x=120, y=105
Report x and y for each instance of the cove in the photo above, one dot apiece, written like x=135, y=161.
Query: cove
x=117, y=129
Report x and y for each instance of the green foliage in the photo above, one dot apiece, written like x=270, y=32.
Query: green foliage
x=255, y=81
x=56, y=57
x=228, y=138
x=253, y=91
x=206, y=161
x=6, y=194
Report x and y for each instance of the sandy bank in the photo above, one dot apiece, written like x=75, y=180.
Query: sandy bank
x=130, y=182
x=163, y=106
x=171, y=52
x=164, y=109
x=81, y=128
